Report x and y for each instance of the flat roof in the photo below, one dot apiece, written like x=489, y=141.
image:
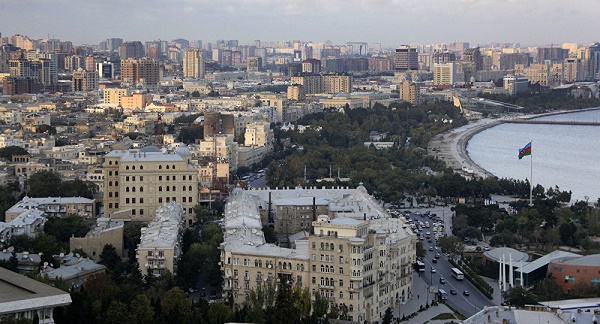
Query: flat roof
x=547, y=259
x=19, y=293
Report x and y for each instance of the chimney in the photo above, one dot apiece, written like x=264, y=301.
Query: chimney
x=314, y=209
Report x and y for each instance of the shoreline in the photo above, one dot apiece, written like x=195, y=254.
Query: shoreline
x=451, y=146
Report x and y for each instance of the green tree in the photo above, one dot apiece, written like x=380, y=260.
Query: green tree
x=175, y=306
x=63, y=228
x=109, y=257
x=9, y=151
x=219, y=313
x=320, y=306
x=116, y=313
x=388, y=316
x=43, y=184
x=452, y=245
x=420, y=250
x=141, y=310
x=519, y=296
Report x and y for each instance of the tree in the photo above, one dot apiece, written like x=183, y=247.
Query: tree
x=9, y=151
x=116, y=313
x=219, y=313
x=109, y=257
x=43, y=128
x=388, y=316
x=420, y=250
x=320, y=306
x=547, y=289
x=519, y=296
x=175, y=306
x=141, y=310
x=43, y=184
x=452, y=245
x=63, y=228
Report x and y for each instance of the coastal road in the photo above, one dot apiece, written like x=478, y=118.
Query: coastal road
x=466, y=305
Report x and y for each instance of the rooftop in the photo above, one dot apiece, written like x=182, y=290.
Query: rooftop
x=164, y=231
x=588, y=261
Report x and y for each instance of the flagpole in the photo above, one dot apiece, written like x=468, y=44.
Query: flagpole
x=531, y=175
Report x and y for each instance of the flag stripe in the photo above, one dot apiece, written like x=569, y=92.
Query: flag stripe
x=525, y=151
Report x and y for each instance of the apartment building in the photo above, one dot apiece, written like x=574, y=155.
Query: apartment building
x=193, y=63
x=160, y=242
x=410, y=92
x=352, y=253
x=140, y=180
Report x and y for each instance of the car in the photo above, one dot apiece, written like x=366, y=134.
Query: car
x=478, y=249
x=442, y=281
x=430, y=241
x=431, y=248
x=453, y=292
x=433, y=270
x=433, y=260
x=203, y=293
x=428, y=233
x=428, y=236
x=437, y=256
x=466, y=293
x=486, y=248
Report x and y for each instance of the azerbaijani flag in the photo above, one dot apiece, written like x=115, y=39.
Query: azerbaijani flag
x=525, y=151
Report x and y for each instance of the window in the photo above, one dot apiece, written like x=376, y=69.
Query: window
x=110, y=183
x=168, y=178
x=174, y=188
x=126, y=189
x=133, y=200
x=167, y=188
x=116, y=183
x=141, y=212
x=159, y=188
x=127, y=167
x=159, y=178
x=109, y=162
x=160, y=167
x=167, y=167
x=110, y=194
x=183, y=188
x=160, y=200
x=168, y=199
x=110, y=173
x=189, y=199
x=141, y=189
x=184, y=199
x=174, y=178
x=190, y=188
x=173, y=167
x=116, y=205
x=132, y=189
x=570, y=279
x=133, y=212
x=116, y=194
x=133, y=178
x=141, y=167
x=595, y=281
x=110, y=205
x=341, y=294
x=141, y=178
x=127, y=178
x=141, y=200
x=127, y=200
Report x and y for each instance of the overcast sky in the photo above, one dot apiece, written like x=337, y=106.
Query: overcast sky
x=389, y=22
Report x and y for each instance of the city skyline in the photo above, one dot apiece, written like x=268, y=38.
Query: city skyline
x=389, y=23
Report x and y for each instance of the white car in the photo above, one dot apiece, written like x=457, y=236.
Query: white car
x=433, y=270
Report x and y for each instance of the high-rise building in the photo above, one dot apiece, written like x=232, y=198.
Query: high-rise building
x=473, y=55
x=193, y=63
x=131, y=50
x=508, y=61
x=14, y=85
x=106, y=70
x=19, y=67
x=217, y=123
x=552, y=54
x=516, y=84
x=41, y=68
x=445, y=74
x=145, y=71
x=254, y=63
x=139, y=181
x=311, y=66
x=85, y=81
x=181, y=43
x=410, y=92
x=406, y=58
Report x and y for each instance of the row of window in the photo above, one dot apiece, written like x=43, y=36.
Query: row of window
x=327, y=269
x=328, y=246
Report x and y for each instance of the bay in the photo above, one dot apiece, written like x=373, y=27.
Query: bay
x=567, y=156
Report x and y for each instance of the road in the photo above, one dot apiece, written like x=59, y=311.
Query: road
x=466, y=305
x=259, y=181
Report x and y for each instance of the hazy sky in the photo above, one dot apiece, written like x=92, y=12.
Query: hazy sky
x=389, y=22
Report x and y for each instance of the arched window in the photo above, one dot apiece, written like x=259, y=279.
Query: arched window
x=109, y=162
x=190, y=188
x=141, y=167
x=110, y=183
x=116, y=183
x=173, y=167
x=126, y=189
x=174, y=188
x=116, y=162
x=133, y=167
x=167, y=188
x=132, y=189
x=127, y=167
x=183, y=188
x=160, y=167
x=159, y=188
x=167, y=167
x=141, y=189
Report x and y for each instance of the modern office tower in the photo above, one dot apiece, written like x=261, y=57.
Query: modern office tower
x=84, y=81
x=143, y=70
x=131, y=50
x=516, y=84
x=552, y=54
x=410, y=92
x=254, y=63
x=445, y=73
x=473, y=55
x=106, y=70
x=508, y=61
x=139, y=181
x=193, y=63
x=91, y=62
x=406, y=58
x=311, y=66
